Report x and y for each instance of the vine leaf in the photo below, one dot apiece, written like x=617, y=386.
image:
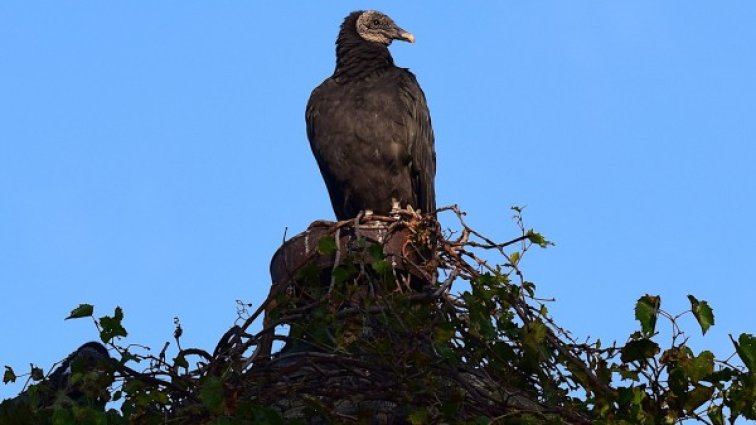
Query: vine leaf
x=62, y=416
x=9, y=375
x=646, y=312
x=538, y=239
x=211, y=394
x=746, y=348
x=418, y=417
x=180, y=361
x=37, y=374
x=111, y=326
x=703, y=313
x=700, y=367
x=715, y=414
x=697, y=397
x=639, y=350
x=327, y=245
x=83, y=310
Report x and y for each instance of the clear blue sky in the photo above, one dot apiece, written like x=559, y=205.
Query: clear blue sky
x=152, y=154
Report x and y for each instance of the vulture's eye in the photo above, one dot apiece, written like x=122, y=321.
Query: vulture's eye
x=376, y=22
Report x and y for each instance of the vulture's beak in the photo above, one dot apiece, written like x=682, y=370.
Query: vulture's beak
x=407, y=37
x=404, y=35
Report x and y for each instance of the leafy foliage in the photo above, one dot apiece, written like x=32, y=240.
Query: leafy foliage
x=440, y=328
x=702, y=312
x=646, y=312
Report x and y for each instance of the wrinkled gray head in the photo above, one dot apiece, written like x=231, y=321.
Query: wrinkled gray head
x=376, y=27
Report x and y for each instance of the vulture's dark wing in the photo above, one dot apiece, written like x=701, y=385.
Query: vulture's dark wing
x=417, y=124
x=373, y=142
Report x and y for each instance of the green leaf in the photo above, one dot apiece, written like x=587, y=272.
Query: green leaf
x=678, y=382
x=480, y=320
x=715, y=415
x=211, y=395
x=83, y=310
x=534, y=343
x=129, y=357
x=342, y=272
x=180, y=361
x=697, y=397
x=639, y=350
x=442, y=333
x=632, y=375
x=327, y=245
x=449, y=410
x=504, y=351
x=630, y=396
x=376, y=251
x=724, y=375
x=250, y=413
x=646, y=312
x=37, y=374
x=381, y=266
x=538, y=239
x=63, y=416
x=746, y=348
x=110, y=327
x=309, y=274
x=703, y=313
x=9, y=375
x=418, y=417
x=699, y=367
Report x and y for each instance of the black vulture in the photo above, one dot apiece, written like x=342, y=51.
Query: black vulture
x=86, y=358
x=369, y=126
x=90, y=357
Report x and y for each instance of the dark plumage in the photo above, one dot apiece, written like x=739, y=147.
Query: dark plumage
x=87, y=359
x=369, y=125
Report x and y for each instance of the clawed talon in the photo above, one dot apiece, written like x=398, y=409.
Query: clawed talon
x=395, y=207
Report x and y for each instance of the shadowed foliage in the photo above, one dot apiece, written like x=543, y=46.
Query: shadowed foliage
x=394, y=320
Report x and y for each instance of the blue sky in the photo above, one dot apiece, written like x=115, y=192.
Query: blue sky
x=153, y=153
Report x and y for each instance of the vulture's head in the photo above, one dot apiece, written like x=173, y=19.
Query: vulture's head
x=375, y=27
